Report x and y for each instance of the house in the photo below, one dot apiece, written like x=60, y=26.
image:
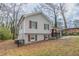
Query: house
x=71, y=30
x=34, y=27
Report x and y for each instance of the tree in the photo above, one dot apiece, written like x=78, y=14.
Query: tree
x=54, y=9
x=62, y=11
x=15, y=15
x=76, y=23
x=11, y=15
x=2, y=14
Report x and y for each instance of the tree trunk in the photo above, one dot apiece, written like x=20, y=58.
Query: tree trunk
x=55, y=21
x=65, y=23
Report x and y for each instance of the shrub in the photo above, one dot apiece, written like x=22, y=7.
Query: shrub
x=5, y=33
x=73, y=33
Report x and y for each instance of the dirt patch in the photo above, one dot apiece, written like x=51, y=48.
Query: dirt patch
x=9, y=44
x=64, y=46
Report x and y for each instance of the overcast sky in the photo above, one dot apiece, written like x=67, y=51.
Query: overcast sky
x=72, y=14
x=72, y=10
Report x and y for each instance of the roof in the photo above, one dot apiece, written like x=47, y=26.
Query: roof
x=70, y=28
x=31, y=14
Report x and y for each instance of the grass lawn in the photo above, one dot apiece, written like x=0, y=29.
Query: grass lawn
x=68, y=46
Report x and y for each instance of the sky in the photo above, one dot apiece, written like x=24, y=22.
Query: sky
x=71, y=15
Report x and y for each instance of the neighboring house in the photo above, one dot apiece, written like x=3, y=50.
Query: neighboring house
x=34, y=27
x=71, y=30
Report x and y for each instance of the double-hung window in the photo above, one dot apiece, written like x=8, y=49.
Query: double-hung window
x=46, y=26
x=33, y=24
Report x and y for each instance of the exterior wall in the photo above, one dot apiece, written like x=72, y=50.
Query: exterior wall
x=41, y=20
x=40, y=37
x=26, y=39
x=21, y=31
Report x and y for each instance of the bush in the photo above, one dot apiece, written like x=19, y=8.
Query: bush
x=5, y=33
x=65, y=33
x=73, y=33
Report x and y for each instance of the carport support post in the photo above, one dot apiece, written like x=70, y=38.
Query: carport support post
x=60, y=33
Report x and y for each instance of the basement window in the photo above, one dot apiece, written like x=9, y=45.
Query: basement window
x=33, y=37
x=33, y=24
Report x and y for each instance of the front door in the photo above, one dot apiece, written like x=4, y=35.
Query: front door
x=46, y=37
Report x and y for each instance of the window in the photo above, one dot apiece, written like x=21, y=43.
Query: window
x=46, y=26
x=32, y=37
x=33, y=24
